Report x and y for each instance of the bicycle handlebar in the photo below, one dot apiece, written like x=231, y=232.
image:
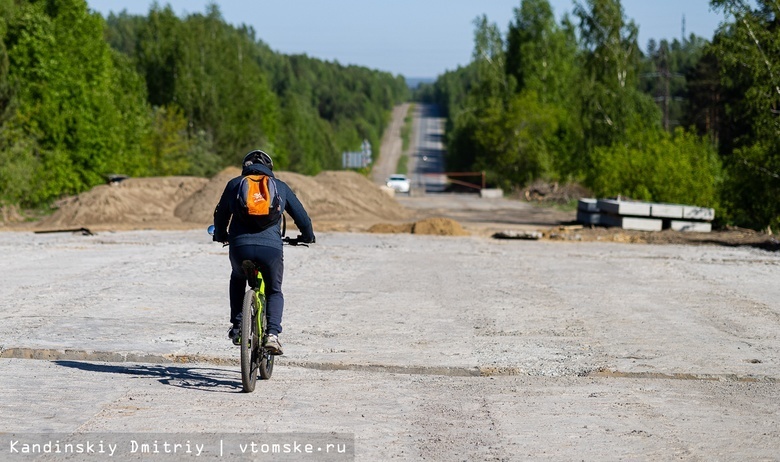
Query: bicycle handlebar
x=295, y=241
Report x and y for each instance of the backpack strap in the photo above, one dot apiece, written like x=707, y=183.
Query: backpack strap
x=284, y=225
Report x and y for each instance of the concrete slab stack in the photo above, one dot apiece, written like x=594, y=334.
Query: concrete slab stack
x=588, y=212
x=644, y=216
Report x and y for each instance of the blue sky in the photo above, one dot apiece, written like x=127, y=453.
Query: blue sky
x=416, y=38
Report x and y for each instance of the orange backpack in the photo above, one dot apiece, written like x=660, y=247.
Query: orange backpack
x=259, y=201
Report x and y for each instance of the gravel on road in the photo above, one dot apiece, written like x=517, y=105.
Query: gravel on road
x=429, y=347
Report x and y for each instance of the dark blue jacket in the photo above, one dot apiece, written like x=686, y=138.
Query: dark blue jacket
x=237, y=233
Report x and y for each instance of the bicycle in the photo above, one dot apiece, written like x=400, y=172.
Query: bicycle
x=255, y=358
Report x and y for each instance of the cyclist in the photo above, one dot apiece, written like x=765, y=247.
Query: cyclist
x=264, y=247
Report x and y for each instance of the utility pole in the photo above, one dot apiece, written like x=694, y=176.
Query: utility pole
x=665, y=73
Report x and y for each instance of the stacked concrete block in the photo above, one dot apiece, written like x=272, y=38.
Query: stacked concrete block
x=618, y=207
x=588, y=212
x=666, y=211
x=644, y=216
x=628, y=215
x=698, y=213
x=635, y=223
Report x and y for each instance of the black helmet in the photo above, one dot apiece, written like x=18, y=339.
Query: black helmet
x=258, y=157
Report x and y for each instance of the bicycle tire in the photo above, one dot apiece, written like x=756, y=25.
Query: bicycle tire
x=250, y=345
x=266, y=359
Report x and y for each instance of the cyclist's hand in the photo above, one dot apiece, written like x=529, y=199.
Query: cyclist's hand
x=297, y=241
x=307, y=239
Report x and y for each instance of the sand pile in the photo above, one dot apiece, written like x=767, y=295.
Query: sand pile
x=199, y=207
x=432, y=226
x=135, y=202
x=329, y=196
x=439, y=227
x=175, y=202
x=10, y=214
x=343, y=195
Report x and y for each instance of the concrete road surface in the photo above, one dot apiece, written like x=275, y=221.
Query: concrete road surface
x=397, y=346
x=428, y=158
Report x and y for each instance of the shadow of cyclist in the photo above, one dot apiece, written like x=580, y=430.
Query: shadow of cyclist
x=198, y=378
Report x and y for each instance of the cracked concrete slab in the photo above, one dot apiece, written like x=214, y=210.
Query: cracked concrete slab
x=421, y=346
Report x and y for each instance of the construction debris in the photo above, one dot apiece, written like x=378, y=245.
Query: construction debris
x=525, y=235
x=83, y=231
x=644, y=216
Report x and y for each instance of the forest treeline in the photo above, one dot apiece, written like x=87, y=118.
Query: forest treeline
x=82, y=97
x=687, y=121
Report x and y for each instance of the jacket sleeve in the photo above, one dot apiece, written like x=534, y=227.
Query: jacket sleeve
x=222, y=215
x=295, y=209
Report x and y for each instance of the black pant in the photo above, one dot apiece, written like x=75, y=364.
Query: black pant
x=270, y=262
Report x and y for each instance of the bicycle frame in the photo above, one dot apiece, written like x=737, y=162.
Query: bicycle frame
x=259, y=301
x=257, y=285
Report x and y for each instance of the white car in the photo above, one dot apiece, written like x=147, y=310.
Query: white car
x=400, y=183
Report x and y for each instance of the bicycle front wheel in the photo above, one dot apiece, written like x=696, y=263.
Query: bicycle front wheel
x=266, y=358
x=266, y=365
x=250, y=342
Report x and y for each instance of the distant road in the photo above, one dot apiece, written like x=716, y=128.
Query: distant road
x=426, y=164
x=392, y=145
x=427, y=161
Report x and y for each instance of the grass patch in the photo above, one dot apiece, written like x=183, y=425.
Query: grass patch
x=402, y=166
x=406, y=130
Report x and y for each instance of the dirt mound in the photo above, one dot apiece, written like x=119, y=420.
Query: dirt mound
x=345, y=195
x=439, y=227
x=329, y=196
x=199, y=207
x=388, y=228
x=10, y=214
x=175, y=202
x=139, y=202
x=432, y=226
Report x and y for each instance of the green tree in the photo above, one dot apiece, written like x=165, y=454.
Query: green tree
x=748, y=53
x=570, y=105
x=174, y=96
x=543, y=57
x=73, y=122
x=167, y=144
x=666, y=71
x=239, y=92
x=611, y=101
x=513, y=140
x=488, y=95
x=6, y=10
x=706, y=96
x=657, y=166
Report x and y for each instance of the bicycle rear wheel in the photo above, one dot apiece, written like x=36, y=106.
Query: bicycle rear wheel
x=250, y=343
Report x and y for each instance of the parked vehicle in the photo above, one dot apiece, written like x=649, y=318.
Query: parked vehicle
x=399, y=183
